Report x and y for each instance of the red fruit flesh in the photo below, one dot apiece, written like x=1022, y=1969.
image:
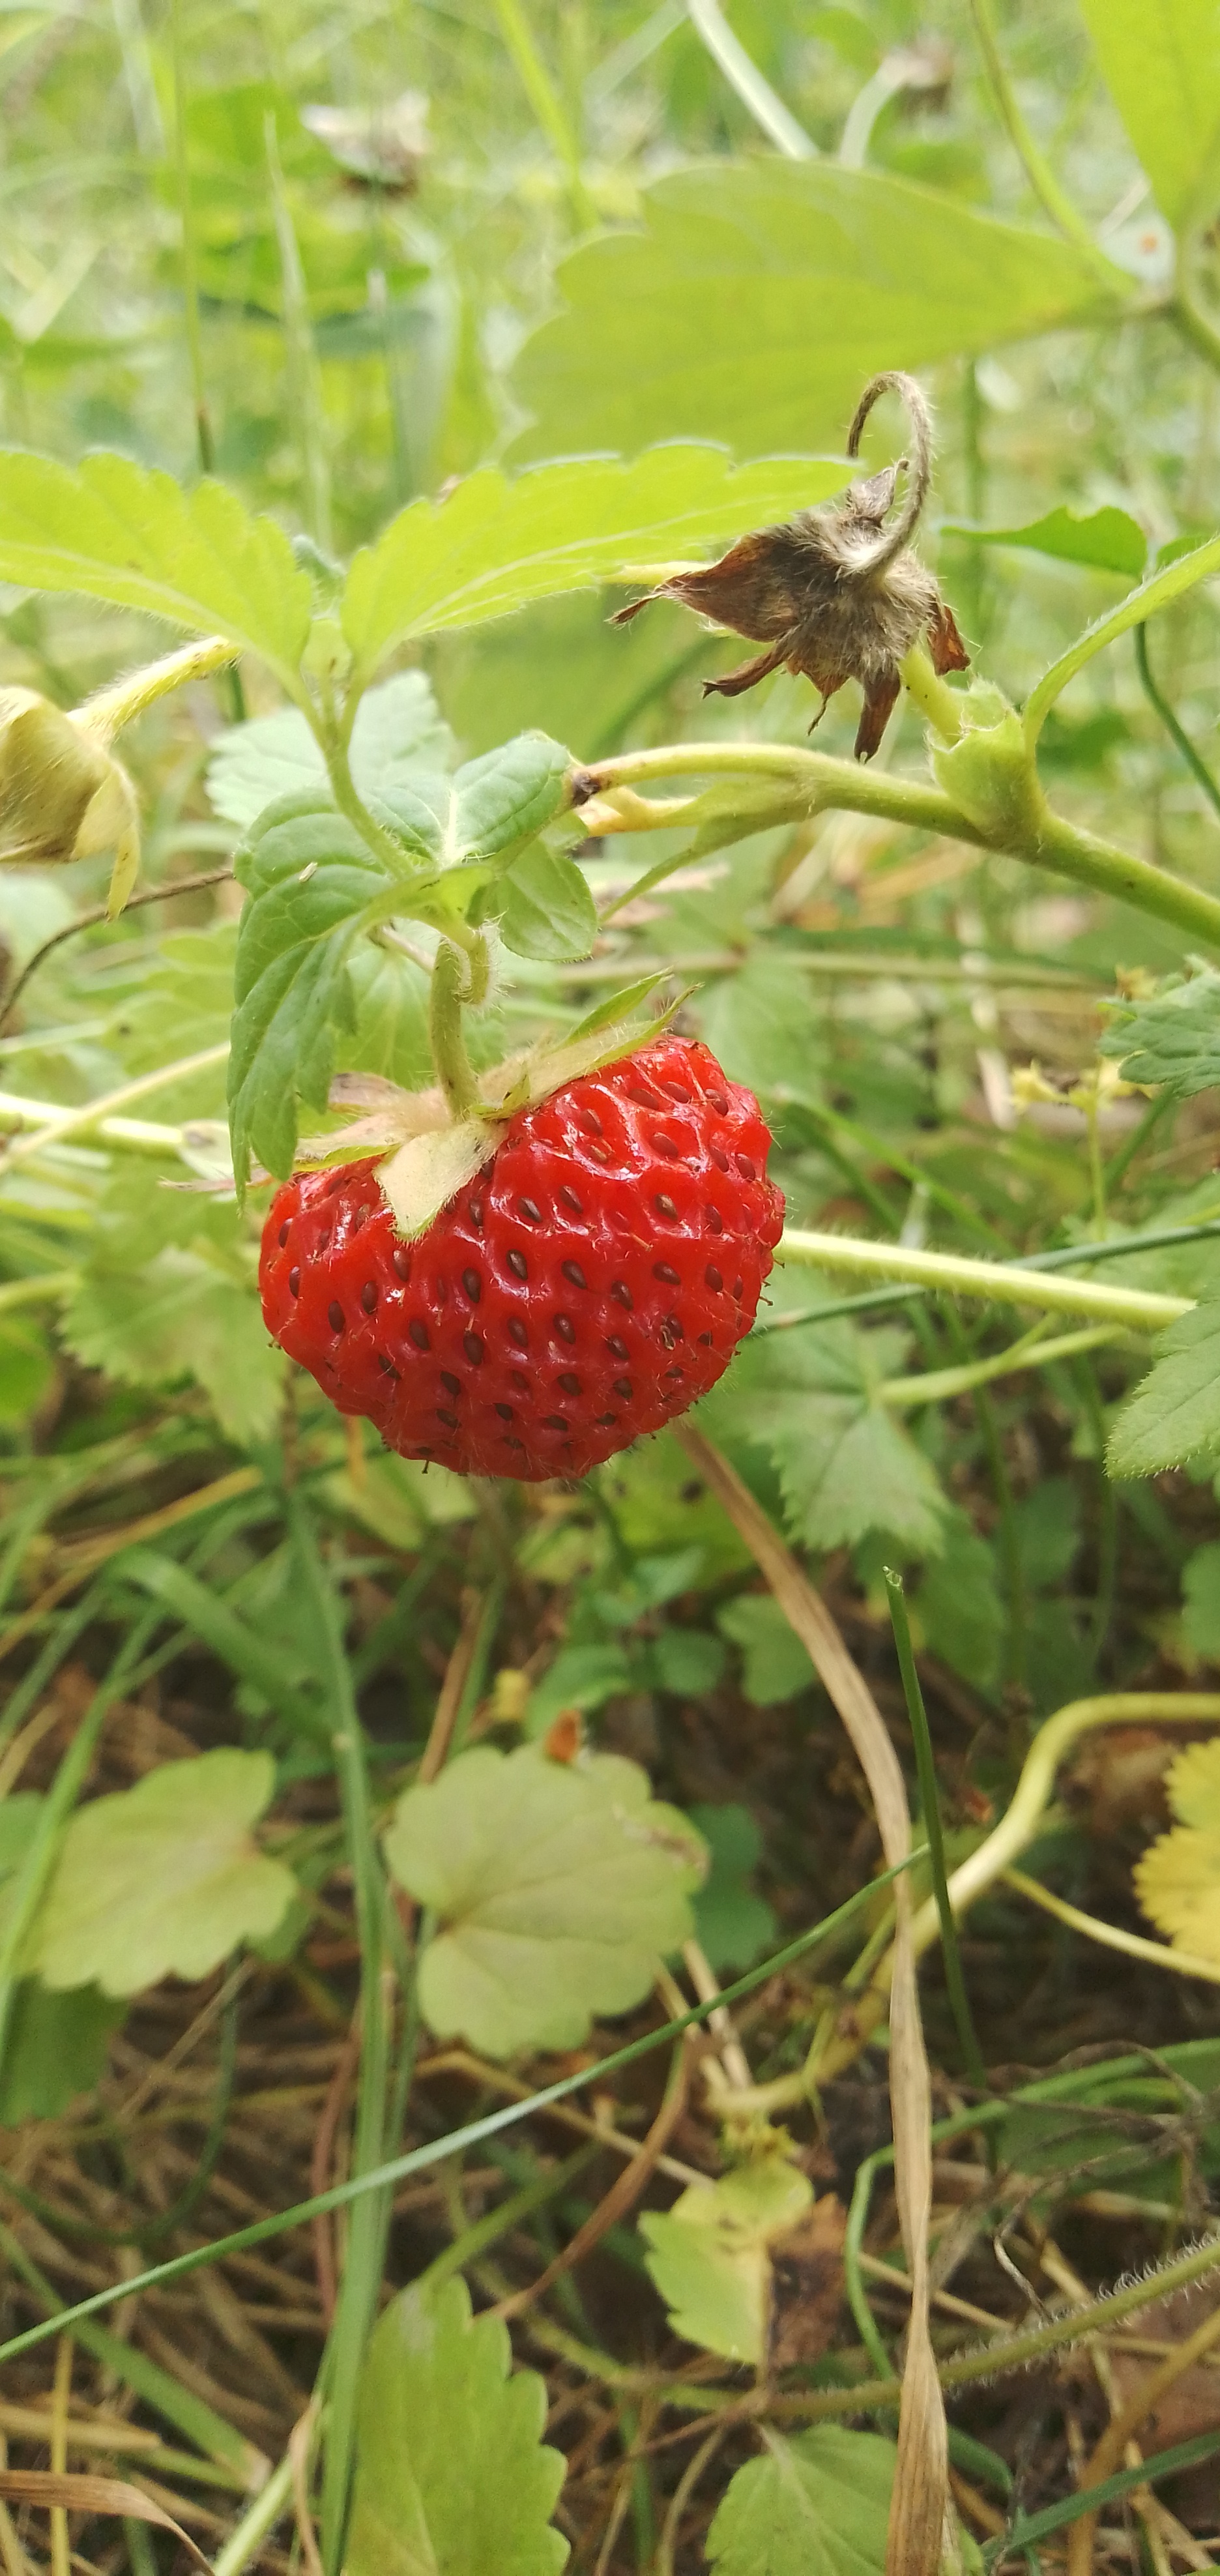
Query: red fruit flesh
x=589, y=1285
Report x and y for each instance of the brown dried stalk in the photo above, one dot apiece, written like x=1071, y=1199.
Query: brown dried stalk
x=920, y=2530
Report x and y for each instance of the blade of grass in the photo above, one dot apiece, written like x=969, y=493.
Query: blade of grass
x=929, y=1799
x=1177, y=732
x=455, y=2142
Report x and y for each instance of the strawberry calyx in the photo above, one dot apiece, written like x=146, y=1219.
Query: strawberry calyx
x=430, y=1150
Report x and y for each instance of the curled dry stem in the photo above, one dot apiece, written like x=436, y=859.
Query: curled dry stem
x=916, y=2537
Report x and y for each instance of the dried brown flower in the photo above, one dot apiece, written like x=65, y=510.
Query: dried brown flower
x=834, y=593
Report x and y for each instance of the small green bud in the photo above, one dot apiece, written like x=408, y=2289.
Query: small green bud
x=990, y=774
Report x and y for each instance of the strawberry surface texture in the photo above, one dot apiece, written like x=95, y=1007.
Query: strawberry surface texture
x=590, y=1284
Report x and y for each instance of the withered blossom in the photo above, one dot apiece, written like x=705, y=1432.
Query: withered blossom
x=834, y=593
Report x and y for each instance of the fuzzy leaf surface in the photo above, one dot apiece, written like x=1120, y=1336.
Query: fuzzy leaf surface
x=498, y=542
x=312, y=883
x=708, y=2255
x=545, y=907
x=1160, y=60
x=55, y=2048
x=453, y=2477
x=1175, y=1412
x=1178, y=1879
x=556, y=1886
x=122, y=532
x=817, y=2505
x=1174, y=1038
x=162, y=1879
x=761, y=294
x=398, y=733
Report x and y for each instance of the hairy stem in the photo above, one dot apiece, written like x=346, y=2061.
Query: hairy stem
x=807, y=783
x=110, y=709
x=955, y=1274
x=932, y=696
x=450, y=987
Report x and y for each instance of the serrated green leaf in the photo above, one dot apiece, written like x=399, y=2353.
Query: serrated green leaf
x=776, y=1664
x=162, y=1879
x=122, y=532
x=708, y=2255
x=55, y=2048
x=544, y=907
x=760, y=295
x=501, y=800
x=1160, y=60
x=1173, y=1039
x=1106, y=540
x=452, y=2475
x=183, y=1005
x=398, y=733
x=733, y=1924
x=167, y=1292
x=1175, y=1414
x=496, y=543
x=1178, y=1879
x=845, y=1465
x=556, y=1886
x=181, y=1316
x=312, y=883
x=26, y=1366
x=817, y=2505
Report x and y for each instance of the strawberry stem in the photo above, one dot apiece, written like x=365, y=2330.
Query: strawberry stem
x=455, y=979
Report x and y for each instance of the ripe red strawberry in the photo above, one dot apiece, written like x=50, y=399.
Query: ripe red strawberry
x=589, y=1284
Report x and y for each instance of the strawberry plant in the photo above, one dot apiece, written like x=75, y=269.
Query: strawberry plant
x=609, y=1314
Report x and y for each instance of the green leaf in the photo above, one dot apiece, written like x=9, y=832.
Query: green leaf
x=398, y=733
x=1178, y=1879
x=1201, y=1601
x=846, y=1466
x=168, y=1293
x=582, y=1677
x=183, y=1005
x=496, y=543
x=758, y=1023
x=312, y=884
x=760, y=295
x=958, y=1604
x=1107, y=540
x=662, y=1507
x=1160, y=60
x=26, y=1366
x=55, y=2048
x=501, y=800
x=1175, y=1414
x=817, y=2505
x=125, y=533
x=556, y=1888
x=163, y=1879
x=709, y=2256
x=545, y=908
x=686, y=1661
x=1174, y=1038
x=776, y=1664
x=733, y=1925
x=452, y=2475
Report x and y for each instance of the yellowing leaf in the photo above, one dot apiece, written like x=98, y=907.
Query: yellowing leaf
x=163, y=1879
x=557, y=1887
x=452, y=2475
x=1178, y=1879
x=709, y=2256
